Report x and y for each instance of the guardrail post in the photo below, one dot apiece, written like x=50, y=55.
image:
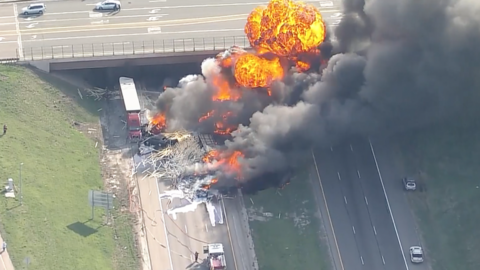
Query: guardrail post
x=93, y=52
x=173, y=44
x=163, y=46
x=153, y=46
x=62, y=53
x=83, y=51
x=224, y=44
x=31, y=52
x=103, y=49
x=52, y=52
x=183, y=41
x=143, y=47
x=203, y=44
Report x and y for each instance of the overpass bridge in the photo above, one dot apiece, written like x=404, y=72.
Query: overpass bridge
x=120, y=54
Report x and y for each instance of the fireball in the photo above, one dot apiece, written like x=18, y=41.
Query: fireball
x=253, y=71
x=287, y=29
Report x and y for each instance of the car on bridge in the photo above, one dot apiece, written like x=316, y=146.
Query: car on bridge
x=108, y=5
x=34, y=9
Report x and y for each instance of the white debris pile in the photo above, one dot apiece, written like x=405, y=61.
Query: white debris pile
x=182, y=164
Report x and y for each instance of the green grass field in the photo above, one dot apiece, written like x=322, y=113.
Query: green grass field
x=447, y=161
x=60, y=164
x=286, y=228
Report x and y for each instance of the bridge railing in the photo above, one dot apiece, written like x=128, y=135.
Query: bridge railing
x=132, y=48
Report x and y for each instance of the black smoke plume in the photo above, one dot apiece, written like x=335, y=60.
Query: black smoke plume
x=397, y=64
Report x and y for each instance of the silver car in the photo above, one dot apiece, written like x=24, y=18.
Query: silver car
x=108, y=5
x=416, y=254
x=34, y=9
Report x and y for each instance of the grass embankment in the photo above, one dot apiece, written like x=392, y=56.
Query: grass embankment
x=60, y=164
x=286, y=228
x=447, y=162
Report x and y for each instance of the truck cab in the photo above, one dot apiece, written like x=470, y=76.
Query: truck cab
x=134, y=128
x=216, y=256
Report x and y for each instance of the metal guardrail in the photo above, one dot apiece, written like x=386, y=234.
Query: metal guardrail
x=133, y=48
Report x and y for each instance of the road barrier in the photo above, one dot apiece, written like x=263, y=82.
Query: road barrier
x=133, y=48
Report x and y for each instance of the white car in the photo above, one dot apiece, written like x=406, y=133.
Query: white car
x=108, y=5
x=416, y=254
x=38, y=8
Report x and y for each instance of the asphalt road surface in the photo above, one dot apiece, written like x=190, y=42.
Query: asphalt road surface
x=75, y=23
x=366, y=236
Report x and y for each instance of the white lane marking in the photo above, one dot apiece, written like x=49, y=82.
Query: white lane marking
x=84, y=19
x=361, y=258
x=100, y=22
x=186, y=230
x=338, y=174
x=164, y=225
x=156, y=18
x=19, y=34
x=153, y=11
x=94, y=15
x=353, y=229
x=154, y=30
x=1, y=38
x=143, y=34
x=326, y=3
x=10, y=23
x=345, y=199
x=358, y=173
x=206, y=227
x=375, y=230
x=337, y=15
x=366, y=201
x=33, y=37
x=331, y=148
x=388, y=204
x=156, y=1
x=351, y=147
x=383, y=260
x=32, y=25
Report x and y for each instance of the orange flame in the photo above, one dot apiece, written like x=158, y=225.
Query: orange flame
x=253, y=71
x=224, y=91
x=206, y=116
x=211, y=156
x=286, y=28
x=158, y=123
x=229, y=162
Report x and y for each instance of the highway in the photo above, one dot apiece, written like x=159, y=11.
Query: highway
x=75, y=23
x=354, y=192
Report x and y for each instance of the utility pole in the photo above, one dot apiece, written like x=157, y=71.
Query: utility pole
x=21, y=188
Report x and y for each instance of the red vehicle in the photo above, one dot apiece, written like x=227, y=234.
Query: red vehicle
x=132, y=106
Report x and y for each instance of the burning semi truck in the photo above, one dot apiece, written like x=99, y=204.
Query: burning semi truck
x=133, y=108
